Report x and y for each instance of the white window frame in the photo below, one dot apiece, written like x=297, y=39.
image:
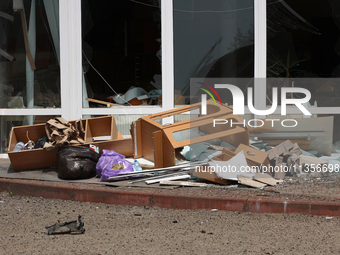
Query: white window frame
x=71, y=67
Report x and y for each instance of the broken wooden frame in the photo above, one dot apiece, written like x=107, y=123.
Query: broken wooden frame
x=156, y=142
x=41, y=158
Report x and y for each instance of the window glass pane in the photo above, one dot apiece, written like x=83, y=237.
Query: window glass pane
x=122, y=52
x=123, y=122
x=317, y=134
x=212, y=39
x=7, y=122
x=305, y=43
x=29, y=79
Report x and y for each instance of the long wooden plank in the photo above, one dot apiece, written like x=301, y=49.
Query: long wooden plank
x=108, y=104
x=265, y=178
x=250, y=182
x=6, y=55
x=27, y=46
x=124, y=146
x=158, y=145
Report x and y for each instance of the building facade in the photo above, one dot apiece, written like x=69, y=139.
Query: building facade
x=57, y=55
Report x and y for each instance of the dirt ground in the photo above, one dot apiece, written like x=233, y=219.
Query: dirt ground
x=115, y=229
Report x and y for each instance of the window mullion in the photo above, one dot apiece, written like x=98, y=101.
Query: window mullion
x=260, y=53
x=70, y=59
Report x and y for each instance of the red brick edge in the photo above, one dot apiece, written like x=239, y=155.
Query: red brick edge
x=97, y=195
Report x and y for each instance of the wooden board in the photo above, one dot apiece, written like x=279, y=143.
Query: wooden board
x=99, y=126
x=158, y=151
x=265, y=178
x=250, y=182
x=122, y=146
x=108, y=104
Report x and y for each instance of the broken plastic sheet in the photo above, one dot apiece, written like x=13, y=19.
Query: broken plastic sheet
x=231, y=169
x=201, y=151
x=136, y=92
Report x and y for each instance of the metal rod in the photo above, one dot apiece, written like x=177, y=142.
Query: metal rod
x=158, y=176
x=142, y=172
x=171, y=178
x=186, y=166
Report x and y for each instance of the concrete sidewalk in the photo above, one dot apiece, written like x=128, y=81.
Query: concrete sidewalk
x=312, y=196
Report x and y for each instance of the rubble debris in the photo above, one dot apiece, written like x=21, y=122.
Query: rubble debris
x=265, y=178
x=286, y=146
x=293, y=151
x=291, y=159
x=309, y=160
x=72, y=226
x=280, y=173
x=250, y=182
x=311, y=165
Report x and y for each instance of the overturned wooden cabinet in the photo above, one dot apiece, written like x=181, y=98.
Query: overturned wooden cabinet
x=159, y=143
x=106, y=127
x=41, y=158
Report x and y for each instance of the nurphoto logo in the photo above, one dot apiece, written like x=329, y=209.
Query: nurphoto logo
x=238, y=99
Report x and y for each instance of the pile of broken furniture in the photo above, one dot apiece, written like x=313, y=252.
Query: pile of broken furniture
x=162, y=145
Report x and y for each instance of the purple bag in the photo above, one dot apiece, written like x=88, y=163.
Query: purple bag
x=111, y=164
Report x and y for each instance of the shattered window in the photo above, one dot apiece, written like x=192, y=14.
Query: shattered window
x=121, y=53
x=305, y=43
x=29, y=54
x=212, y=39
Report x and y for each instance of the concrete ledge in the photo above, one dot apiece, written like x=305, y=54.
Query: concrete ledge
x=59, y=190
x=314, y=208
